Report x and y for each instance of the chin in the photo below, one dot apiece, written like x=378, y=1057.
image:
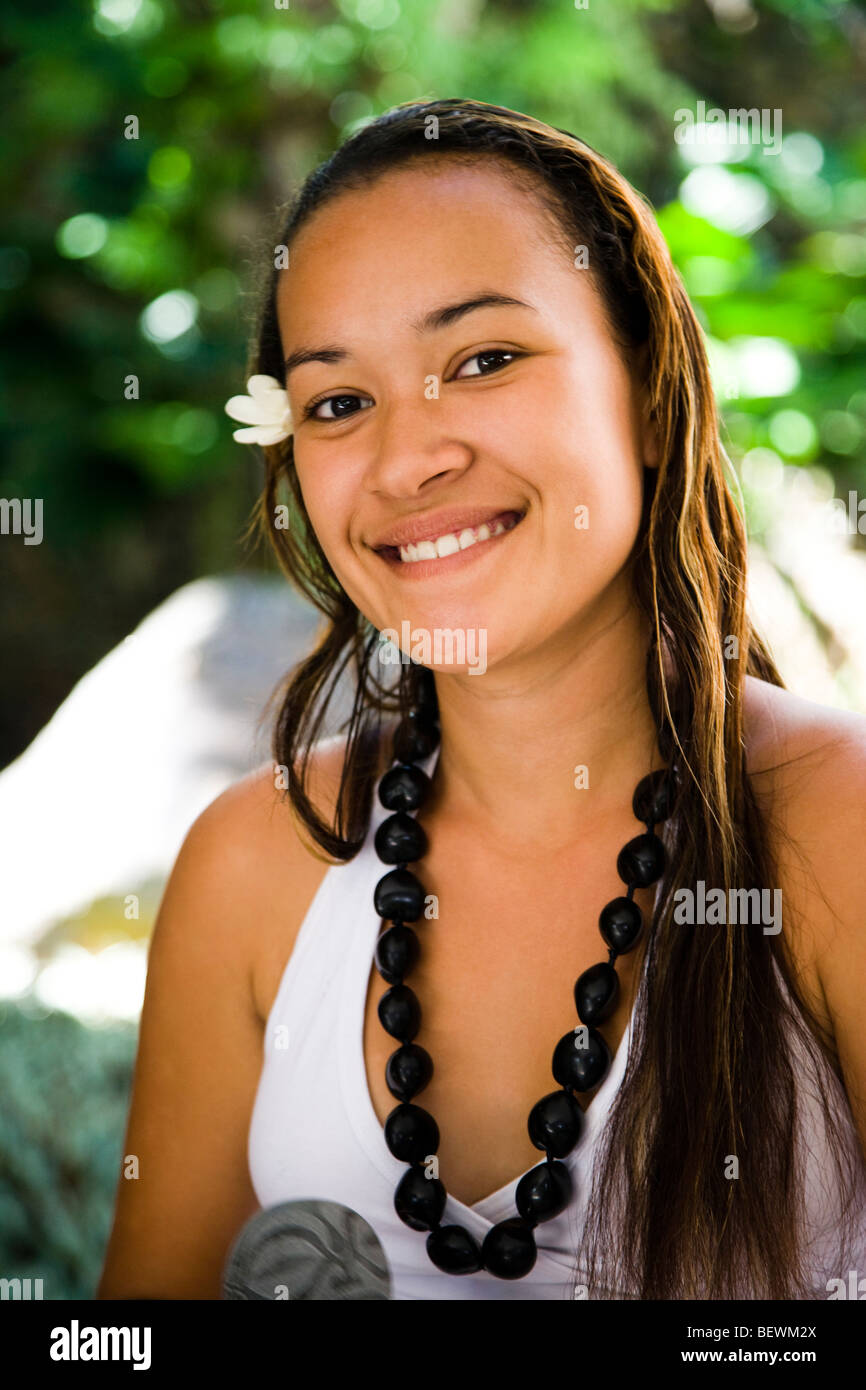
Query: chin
x=448, y=648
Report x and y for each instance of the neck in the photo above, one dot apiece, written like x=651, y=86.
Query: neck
x=536, y=752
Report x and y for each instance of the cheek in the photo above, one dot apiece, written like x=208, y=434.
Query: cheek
x=593, y=494
x=604, y=534
x=323, y=497
x=328, y=517
x=331, y=510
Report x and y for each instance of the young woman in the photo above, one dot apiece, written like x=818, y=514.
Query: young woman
x=484, y=346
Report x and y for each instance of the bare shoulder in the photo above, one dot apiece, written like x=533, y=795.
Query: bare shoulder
x=270, y=867
x=253, y=817
x=807, y=764
x=786, y=731
x=235, y=897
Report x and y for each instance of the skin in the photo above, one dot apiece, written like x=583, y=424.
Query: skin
x=564, y=653
x=510, y=837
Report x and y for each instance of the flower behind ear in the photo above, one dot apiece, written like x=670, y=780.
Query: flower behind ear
x=265, y=409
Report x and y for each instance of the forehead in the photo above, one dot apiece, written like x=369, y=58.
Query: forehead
x=383, y=252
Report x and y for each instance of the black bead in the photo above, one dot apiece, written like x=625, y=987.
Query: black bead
x=424, y=690
x=581, y=1068
x=641, y=861
x=419, y=1201
x=509, y=1249
x=397, y=951
x=543, y=1192
x=400, y=1012
x=399, y=896
x=596, y=993
x=408, y=1070
x=404, y=788
x=400, y=839
x=411, y=1133
x=415, y=738
x=453, y=1250
x=654, y=797
x=556, y=1123
x=620, y=924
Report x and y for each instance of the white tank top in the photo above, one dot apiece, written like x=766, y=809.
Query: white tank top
x=315, y=1134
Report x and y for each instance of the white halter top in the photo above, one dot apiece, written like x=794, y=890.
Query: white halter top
x=315, y=1134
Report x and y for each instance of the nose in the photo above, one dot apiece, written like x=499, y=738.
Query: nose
x=411, y=445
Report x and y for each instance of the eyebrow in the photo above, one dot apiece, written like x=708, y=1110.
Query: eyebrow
x=428, y=323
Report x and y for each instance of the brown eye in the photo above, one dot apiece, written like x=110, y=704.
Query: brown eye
x=338, y=402
x=486, y=356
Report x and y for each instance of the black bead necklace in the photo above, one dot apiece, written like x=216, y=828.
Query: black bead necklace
x=579, y=1063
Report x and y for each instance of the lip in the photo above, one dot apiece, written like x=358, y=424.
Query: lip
x=430, y=525
x=425, y=569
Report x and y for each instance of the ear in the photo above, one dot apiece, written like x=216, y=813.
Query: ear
x=650, y=441
x=652, y=452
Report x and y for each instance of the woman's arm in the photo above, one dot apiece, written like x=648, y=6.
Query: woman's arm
x=237, y=894
x=839, y=848
x=815, y=785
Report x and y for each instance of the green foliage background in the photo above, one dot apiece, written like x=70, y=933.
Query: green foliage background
x=235, y=101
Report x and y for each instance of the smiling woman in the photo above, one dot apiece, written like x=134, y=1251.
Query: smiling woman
x=492, y=412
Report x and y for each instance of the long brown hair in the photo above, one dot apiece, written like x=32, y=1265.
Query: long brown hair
x=710, y=1072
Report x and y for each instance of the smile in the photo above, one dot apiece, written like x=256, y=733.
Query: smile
x=451, y=543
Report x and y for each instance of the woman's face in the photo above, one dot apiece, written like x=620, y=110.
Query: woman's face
x=411, y=429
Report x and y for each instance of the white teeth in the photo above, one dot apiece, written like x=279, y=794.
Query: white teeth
x=450, y=543
x=447, y=545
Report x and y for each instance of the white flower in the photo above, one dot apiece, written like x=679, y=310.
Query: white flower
x=266, y=409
